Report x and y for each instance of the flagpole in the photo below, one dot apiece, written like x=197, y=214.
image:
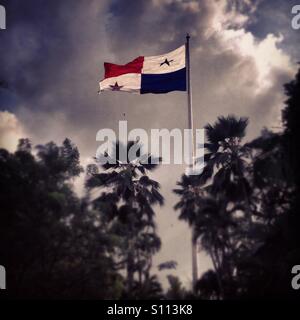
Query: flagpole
x=190, y=126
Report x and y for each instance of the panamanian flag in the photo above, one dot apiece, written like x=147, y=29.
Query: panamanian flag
x=156, y=74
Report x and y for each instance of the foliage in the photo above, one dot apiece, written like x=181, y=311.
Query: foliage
x=243, y=207
x=49, y=242
x=126, y=208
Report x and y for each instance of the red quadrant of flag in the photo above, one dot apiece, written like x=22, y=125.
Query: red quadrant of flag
x=114, y=70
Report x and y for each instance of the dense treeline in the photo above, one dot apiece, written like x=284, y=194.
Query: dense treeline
x=243, y=209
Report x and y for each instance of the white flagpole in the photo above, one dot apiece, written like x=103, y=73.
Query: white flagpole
x=190, y=126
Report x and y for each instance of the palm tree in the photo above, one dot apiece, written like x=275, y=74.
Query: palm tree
x=226, y=154
x=205, y=198
x=126, y=206
x=227, y=162
x=216, y=230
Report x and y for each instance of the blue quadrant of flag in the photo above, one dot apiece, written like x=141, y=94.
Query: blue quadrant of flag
x=165, y=82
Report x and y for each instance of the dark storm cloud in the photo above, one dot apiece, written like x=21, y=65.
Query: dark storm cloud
x=275, y=17
x=48, y=61
x=35, y=38
x=145, y=24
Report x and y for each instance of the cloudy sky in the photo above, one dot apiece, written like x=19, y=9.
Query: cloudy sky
x=52, y=54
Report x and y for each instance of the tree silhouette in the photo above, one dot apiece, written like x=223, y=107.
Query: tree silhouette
x=126, y=207
x=48, y=239
x=268, y=271
x=244, y=207
x=210, y=201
